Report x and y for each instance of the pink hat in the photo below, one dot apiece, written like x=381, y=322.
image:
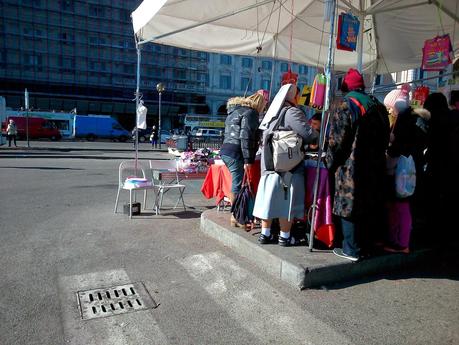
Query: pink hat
x=398, y=99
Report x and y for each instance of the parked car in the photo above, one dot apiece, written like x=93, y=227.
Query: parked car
x=100, y=126
x=39, y=128
x=144, y=135
x=209, y=132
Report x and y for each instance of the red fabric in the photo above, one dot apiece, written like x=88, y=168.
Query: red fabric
x=353, y=80
x=217, y=183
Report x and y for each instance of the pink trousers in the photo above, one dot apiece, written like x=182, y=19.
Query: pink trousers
x=400, y=223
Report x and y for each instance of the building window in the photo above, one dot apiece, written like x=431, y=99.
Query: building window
x=67, y=37
x=284, y=67
x=225, y=82
x=225, y=59
x=247, y=62
x=2, y=56
x=66, y=62
x=203, y=55
x=246, y=82
x=124, y=15
x=96, y=11
x=32, y=60
x=303, y=69
x=34, y=3
x=266, y=65
x=67, y=5
x=378, y=79
x=128, y=68
x=180, y=74
x=266, y=84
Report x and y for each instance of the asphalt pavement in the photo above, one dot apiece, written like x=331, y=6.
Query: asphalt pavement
x=59, y=236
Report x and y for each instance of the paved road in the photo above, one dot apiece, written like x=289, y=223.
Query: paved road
x=58, y=235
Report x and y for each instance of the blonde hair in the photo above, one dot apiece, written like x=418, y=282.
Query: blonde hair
x=255, y=101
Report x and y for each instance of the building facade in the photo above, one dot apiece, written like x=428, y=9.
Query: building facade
x=81, y=54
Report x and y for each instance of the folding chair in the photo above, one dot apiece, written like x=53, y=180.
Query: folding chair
x=128, y=169
x=165, y=178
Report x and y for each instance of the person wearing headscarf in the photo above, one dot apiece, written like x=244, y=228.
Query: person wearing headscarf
x=282, y=195
x=409, y=135
x=359, y=135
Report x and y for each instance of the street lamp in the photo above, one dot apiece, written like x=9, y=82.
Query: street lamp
x=160, y=88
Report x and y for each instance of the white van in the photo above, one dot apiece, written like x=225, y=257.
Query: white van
x=209, y=132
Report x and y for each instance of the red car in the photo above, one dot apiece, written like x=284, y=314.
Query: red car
x=38, y=128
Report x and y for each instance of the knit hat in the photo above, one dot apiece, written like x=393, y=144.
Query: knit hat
x=398, y=99
x=353, y=80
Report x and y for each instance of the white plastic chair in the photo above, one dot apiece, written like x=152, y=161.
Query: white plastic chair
x=167, y=169
x=128, y=169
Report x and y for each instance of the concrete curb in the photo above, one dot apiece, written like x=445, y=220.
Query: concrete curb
x=307, y=270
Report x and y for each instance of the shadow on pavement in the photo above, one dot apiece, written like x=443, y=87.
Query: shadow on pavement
x=42, y=168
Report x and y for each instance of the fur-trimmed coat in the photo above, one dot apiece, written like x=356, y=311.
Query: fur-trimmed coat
x=356, y=155
x=241, y=130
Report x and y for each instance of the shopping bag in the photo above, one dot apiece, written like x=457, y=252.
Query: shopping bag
x=405, y=177
x=242, y=208
x=437, y=53
x=419, y=96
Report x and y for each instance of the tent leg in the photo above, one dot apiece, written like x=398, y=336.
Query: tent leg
x=360, y=44
x=323, y=124
x=137, y=102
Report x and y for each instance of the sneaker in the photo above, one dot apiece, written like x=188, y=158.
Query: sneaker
x=284, y=242
x=262, y=239
x=339, y=252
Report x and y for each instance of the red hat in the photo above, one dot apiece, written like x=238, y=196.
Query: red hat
x=353, y=80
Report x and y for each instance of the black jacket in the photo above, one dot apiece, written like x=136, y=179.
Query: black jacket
x=241, y=133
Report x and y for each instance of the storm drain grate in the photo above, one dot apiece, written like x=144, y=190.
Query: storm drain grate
x=114, y=300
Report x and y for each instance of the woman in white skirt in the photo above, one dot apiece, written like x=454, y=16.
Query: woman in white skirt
x=282, y=195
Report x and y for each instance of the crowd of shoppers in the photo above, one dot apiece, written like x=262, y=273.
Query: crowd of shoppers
x=366, y=143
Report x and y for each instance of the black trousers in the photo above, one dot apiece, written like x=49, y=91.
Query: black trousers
x=11, y=137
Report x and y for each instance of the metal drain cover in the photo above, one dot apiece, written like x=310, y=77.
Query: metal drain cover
x=114, y=300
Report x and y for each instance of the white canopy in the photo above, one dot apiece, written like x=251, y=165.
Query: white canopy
x=394, y=31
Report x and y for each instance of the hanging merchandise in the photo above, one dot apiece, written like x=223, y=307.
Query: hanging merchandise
x=419, y=96
x=348, y=30
x=289, y=78
x=318, y=91
x=437, y=53
x=142, y=116
x=305, y=98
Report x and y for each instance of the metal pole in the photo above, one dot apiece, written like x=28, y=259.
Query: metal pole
x=26, y=104
x=159, y=120
x=322, y=125
x=137, y=102
x=360, y=44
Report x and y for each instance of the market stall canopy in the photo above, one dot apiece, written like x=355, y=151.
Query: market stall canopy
x=394, y=31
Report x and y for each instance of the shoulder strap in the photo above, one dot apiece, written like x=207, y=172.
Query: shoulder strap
x=280, y=119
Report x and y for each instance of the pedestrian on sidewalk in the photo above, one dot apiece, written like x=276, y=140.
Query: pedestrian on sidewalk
x=11, y=132
x=154, y=137
x=356, y=155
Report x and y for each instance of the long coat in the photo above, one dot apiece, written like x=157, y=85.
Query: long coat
x=359, y=135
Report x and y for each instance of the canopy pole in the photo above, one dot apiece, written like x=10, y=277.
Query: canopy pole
x=323, y=124
x=137, y=102
x=223, y=16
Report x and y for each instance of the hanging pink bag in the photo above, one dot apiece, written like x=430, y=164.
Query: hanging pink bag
x=318, y=91
x=437, y=53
